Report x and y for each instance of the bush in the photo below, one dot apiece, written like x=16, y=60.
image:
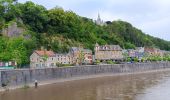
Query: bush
x=97, y=62
x=110, y=62
x=136, y=60
x=59, y=65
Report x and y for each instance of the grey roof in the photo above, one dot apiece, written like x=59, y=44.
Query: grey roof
x=87, y=50
x=75, y=48
x=80, y=49
x=110, y=47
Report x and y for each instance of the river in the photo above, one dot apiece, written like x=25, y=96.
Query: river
x=147, y=86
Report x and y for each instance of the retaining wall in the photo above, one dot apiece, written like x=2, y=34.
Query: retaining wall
x=27, y=76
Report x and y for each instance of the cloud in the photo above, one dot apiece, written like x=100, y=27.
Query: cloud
x=157, y=28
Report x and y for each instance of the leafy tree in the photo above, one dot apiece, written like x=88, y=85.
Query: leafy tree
x=57, y=29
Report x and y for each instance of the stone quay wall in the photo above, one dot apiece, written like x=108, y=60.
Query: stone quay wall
x=21, y=77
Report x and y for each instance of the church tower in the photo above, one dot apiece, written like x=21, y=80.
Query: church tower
x=99, y=21
x=96, y=47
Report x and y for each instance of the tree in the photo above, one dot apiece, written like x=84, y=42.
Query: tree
x=44, y=58
x=80, y=57
x=35, y=16
x=16, y=56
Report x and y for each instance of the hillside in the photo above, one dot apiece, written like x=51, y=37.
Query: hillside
x=58, y=30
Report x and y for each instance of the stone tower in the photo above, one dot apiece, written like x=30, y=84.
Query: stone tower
x=99, y=21
x=96, y=47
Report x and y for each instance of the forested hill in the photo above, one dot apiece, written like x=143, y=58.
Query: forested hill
x=57, y=29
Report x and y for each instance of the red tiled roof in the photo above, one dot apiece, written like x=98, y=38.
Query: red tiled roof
x=150, y=49
x=44, y=52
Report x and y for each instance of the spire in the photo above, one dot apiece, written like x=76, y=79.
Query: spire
x=96, y=44
x=98, y=18
x=99, y=21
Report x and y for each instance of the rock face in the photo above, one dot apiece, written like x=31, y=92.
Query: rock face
x=12, y=30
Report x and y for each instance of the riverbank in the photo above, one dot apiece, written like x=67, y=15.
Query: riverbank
x=20, y=78
x=43, y=83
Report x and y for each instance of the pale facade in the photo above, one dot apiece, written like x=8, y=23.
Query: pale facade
x=88, y=57
x=64, y=58
x=108, y=52
x=153, y=52
x=81, y=56
x=42, y=59
x=132, y=53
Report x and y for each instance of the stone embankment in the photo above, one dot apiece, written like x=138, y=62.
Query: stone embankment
x=21, y=77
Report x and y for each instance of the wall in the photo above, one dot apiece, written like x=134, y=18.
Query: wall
x=26, y=76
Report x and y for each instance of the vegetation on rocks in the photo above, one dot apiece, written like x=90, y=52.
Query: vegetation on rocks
x=57, y=29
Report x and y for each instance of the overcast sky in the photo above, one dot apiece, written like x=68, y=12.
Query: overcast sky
x=151, y=16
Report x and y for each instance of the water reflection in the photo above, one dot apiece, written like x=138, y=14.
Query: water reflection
x=130, y=87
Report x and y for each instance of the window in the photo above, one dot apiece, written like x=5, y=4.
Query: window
x=43, y=65
x=52, y=64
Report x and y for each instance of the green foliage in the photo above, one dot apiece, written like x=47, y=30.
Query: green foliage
x=156, y=58
x=136, y=59
x=45, y=57
x=110, y=62
x=142, y=60
x=58, y=30
x=67, y=65
x=128, y=59
x=98, y=62
x=59, y=64
x=15, y=49
x=129, y=46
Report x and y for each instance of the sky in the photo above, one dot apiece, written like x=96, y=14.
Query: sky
x=151, y=16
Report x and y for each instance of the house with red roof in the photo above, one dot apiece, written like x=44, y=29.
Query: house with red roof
x=42, y=59
x=153, y=51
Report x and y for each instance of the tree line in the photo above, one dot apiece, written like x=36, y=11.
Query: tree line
x=57, y=29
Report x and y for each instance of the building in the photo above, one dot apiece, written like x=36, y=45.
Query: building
x=88, y=56
x=99, y=21
x=166, y=53
x=138, y=52
x=81, y=56
x=64, y=58
x=132, y=53
x=153, y=51
x=108, y=52
x=8, y=64
x=42, y=59
x=76, y=52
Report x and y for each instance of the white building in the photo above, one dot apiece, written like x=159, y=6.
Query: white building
x=42, y=59
x=64, y=58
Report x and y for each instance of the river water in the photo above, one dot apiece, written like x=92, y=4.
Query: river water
x=148, y=86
